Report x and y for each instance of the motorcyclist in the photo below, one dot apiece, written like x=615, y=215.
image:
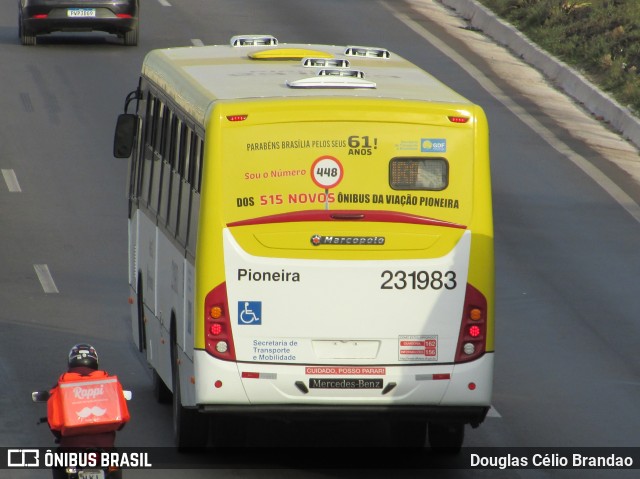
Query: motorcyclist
x=83, y=362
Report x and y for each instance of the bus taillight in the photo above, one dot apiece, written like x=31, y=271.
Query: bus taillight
x=218, y=337
x=474, y=331
x=473, y=328
x=458, y=119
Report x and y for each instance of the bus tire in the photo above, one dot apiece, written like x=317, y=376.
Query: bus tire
x=142, y=327
x=161, y=392
x=228, y=431
x=446, y=437
x=190, y=428
x=408, y=432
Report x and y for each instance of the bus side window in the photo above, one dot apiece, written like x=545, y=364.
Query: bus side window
x=167, y=162
x=183, y=199
x=196, y=167
x=137, y=162
x=174, y=199
x=185, y=187
x=148, y=119
x=194, y=213
x=158, y=136
x=147, y=167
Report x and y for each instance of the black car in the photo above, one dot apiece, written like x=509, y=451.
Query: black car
x=119, y=17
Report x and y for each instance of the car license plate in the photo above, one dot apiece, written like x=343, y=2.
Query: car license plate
x=81, y=12
x=91, y=474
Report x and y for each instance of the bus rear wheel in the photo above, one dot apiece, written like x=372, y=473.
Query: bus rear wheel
x=190, y=428
x=446, y=438
x=408, y=432
x=228, y=431
x=161, y=392
x=142, y=327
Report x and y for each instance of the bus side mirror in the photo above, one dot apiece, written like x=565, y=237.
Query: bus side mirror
x=126, y=128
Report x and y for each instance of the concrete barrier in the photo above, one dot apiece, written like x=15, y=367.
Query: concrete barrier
x=562, y=75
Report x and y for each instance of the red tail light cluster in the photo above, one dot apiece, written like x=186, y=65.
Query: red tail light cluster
x=218, y=337
x=472, y=340
x=237, y=117
x=458, y=119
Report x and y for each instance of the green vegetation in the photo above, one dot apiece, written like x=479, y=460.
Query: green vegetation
x=599, y=38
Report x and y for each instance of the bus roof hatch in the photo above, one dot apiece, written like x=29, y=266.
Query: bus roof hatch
x=253, y=40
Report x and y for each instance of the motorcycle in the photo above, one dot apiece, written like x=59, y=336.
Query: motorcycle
x=93, y=470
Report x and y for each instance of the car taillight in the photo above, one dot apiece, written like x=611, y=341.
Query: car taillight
x=218, y=336
x=472, y=340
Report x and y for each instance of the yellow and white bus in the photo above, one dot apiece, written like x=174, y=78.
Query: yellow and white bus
x=310, y=234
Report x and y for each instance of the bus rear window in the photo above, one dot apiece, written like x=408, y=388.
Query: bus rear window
x=419, y=174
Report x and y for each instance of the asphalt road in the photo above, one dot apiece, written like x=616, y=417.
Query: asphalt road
x=567, y=373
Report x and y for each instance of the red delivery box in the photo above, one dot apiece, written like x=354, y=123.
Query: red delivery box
x=87, y=405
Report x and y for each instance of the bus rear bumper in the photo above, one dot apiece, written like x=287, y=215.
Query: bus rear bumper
x=472, y=415
x=438, y=385
x=460, y=394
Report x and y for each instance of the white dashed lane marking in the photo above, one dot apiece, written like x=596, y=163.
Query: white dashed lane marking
x=493, y=413
x=11, y=180
x=46, y=280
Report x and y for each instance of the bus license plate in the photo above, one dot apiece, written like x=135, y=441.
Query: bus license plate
x=91, y=474
x=81, y=12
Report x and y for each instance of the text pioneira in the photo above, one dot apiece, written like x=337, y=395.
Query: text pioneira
x=268, y=276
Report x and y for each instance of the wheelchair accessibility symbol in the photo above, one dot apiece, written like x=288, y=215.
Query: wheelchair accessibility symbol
x=249, y=312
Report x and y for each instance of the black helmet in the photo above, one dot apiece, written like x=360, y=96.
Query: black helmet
x=83, y=355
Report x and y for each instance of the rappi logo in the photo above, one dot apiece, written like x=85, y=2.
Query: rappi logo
x=91, y=411
x=80, y=392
